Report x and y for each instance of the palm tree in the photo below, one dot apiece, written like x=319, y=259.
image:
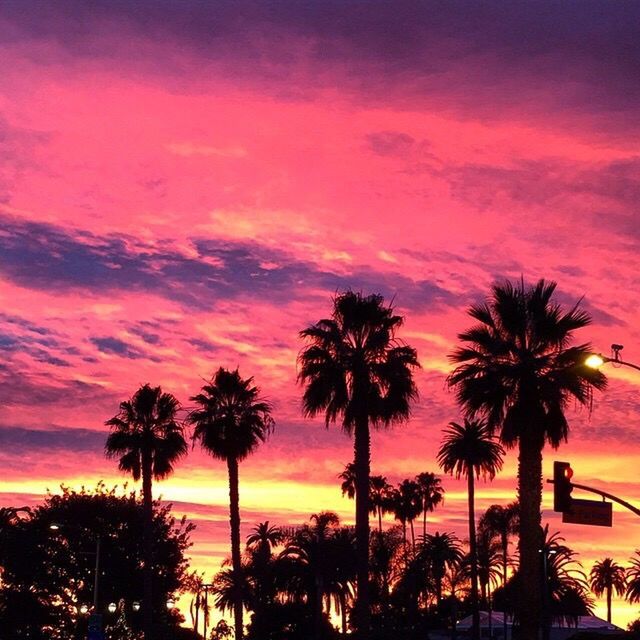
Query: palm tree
x=230, y=422
x=431, y=494
x=501, y=522
x=348, y=477
x=440, y=552
x=354, y=368
x=469, y=450
x=380, y=492
x=148, y=441
x=606, y=577
x=407, y=506
x=517, y=369
x=633, y=579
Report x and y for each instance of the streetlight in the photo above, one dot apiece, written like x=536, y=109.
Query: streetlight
x=171, y=603
x=112, y=607
x=596, y=360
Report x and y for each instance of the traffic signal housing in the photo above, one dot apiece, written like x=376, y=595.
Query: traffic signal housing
x=562, y=487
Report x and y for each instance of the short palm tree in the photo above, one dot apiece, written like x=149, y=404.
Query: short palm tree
x=354, y=368
x=517, y=369
x=633, y=579
x=607, y=577
x=469, y=450
x=440, y=552
x=148, y=440
x=380, y=492
x=406, y=506
x=231, y=420
x=501, y=522
x=348, y=477
x=431, y=495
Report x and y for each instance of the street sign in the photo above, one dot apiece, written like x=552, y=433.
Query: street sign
x=591, y=512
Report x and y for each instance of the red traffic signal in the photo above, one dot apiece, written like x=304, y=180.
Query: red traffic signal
x=562, y=487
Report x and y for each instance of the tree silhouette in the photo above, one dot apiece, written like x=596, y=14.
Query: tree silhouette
x=470, y=451
x=230, y=422
x=606, y=577
x=353, y=368
x=148, y=441
x=440, y=552
x=431, y=495
x=633, y=579
x=406, y=505
x=380, y=496
x=517, y=369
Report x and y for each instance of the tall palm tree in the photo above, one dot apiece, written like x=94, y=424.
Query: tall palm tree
x=501, y=522
x=407, y=506
x=230, y=423
x=148, y=441
x=380, y=492
x=607, y=577
x=469, y=450
x=431, y=495
x=354, y=368
x=517, y=368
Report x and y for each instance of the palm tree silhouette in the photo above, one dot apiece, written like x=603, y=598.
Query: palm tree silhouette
x=230, y=422
x=606, y=577
x=516, y=368
x=148, y=441
x=501, y=522
x=470, y=451
x=354, y=368
x=633, y=579
x=380, y=493
x=431, y=495
x=440, y=552
x=407, y=506
x=348, y=477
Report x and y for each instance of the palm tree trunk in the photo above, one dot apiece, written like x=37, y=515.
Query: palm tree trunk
x=609, y=604
x=362, y=460
x=343, y=612
x=475, y=613
x=380, y=519
x=424, y=523
x=147, y=535
x=530, y=542
x=317, y=613
x=234, y=519
x=413, y=536
x=505, y=561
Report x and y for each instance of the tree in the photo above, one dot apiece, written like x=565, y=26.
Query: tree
x=606, y=577
x=469, y=450
x=633, y=579
x=148, y=441
x=501, y=522
x=406, y=505
x=49, y=574
x=431, y=495
x=348, y=477
x=230, y=423
x=517, y=368
x=380, y=494
x=354, y=368
x=440, y=552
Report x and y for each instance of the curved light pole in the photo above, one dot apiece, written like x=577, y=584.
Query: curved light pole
x=596, y=360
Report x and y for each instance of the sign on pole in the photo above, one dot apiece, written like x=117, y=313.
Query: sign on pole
x=591, y=512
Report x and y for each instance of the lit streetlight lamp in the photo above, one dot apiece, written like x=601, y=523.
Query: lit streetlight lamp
x=596, y=360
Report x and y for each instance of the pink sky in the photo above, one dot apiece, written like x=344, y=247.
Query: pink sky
x=183, y=188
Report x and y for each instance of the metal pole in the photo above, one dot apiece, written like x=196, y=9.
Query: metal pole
x=96, y=576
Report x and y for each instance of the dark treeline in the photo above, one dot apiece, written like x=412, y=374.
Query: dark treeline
x=514, y=374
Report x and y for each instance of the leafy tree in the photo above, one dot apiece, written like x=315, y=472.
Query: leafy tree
x=48, y=575
x=431, y=495
x=148, y=441
x=517, y=368
x=354, y=368
x=607, y=577
x=230, y=422
x=469, y=450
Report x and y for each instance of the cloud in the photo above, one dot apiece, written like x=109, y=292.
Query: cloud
x=117, y=347
x=19, y=440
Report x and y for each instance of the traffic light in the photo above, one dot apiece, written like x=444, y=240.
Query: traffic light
x=562, y=487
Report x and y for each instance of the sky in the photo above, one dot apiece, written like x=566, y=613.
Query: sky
x=185, y=185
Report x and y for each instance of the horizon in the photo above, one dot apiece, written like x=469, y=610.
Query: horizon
x=186, y=187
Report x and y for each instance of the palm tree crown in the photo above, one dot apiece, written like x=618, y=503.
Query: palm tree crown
x=147, y=425
x=431, y=494
x=633, y=579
